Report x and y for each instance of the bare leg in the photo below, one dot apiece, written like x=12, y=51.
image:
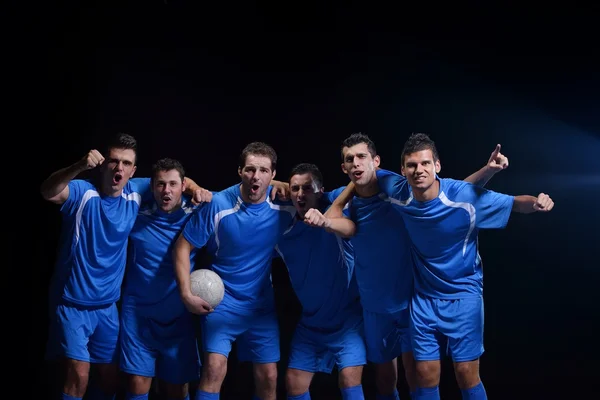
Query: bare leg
x=265, y=378
x=297, y=381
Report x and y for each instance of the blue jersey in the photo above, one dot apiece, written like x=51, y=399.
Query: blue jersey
x=444, y=236
x=320, y=266
x=93, y=244
x=150, y=279
x=241, y=238
x=384, y=268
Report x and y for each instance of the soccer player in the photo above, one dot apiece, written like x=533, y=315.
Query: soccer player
x=240, y=228
x=97, y=219
x=443, y=217
x=157, y=332
x=383, y=263
x=321, y=270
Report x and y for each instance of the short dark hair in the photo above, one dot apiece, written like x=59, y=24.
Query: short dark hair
x=167, y=164
x=258, y=149
x=419, y=142
x=358, y=138
x=123, y=141
x=306, y=168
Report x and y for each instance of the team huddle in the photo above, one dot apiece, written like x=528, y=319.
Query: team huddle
x=386, y=267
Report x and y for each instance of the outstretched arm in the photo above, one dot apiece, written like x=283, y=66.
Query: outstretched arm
x=336, y=210
x=343, y=227
x=199, y=194
x=526, y=204
x=56, y=187
x=496, y=163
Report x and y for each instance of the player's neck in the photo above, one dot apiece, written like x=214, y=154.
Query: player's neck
x=368, y=190
x=428, y=194
x=108, y=191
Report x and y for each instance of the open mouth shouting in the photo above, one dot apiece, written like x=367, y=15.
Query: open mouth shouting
x=117, y=178
x=254, y=189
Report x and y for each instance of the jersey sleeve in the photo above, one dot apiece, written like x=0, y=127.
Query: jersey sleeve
x=329, y=197
x=391, y=183
x=201, y=225
x=492, y=209
x=142, y=187
x=77, y=189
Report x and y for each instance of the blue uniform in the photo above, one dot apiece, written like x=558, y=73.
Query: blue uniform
x=447, y=310
x=384, y=273
x=89, y=271
x=157, y=332
x=241, y=237
x=321, y=270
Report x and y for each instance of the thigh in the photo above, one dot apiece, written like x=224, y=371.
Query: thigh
x=426, y=340
x=307, y=352
x=103, y=345
x=137, y=355
x=461, y=321
x=178, y=359
x=220, y=328
x=70, y=331
x=385, y=335
x=260, y=342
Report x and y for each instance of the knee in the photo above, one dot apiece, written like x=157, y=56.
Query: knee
x=467, y=374
x=428, y=373
x=266, y=375
x=76, y=379
x=350, y=377
x=215, y=369
x=296, y=382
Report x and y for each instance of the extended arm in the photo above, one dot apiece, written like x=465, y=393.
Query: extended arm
x=199, y=194
x=56, y=187
x=337, y=207
x=343, y=227
x=526, y=204
x=496, y=163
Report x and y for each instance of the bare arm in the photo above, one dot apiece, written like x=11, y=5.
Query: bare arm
x=496, y=163
x=526, y=204
x=198, y=193
x=337, y=207
x=342, y=226
x=181, y=261
x=56, y=187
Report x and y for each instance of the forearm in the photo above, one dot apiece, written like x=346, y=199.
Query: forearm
x=181, y=262
x=481, y=177
x=524, y=204
x=57, y=182
x=342, y=226
x=190, y=186
x=337, y=207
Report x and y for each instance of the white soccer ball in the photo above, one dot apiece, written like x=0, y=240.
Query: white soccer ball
x=207, y=285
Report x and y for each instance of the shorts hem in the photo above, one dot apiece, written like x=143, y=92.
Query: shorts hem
x=305, y=369
x=208, y=351
x=353, y=364
x=264, y=360
x=132, y=371
x=426, y=358
x=465, y=359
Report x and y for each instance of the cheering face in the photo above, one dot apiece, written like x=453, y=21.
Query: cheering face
x=168, y=188
x=359, y=164
x=256, y=177
x=117, y=169
x=305, y=193
x=420, y=169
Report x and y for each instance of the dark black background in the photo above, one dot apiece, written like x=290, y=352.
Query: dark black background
x=199, y=80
